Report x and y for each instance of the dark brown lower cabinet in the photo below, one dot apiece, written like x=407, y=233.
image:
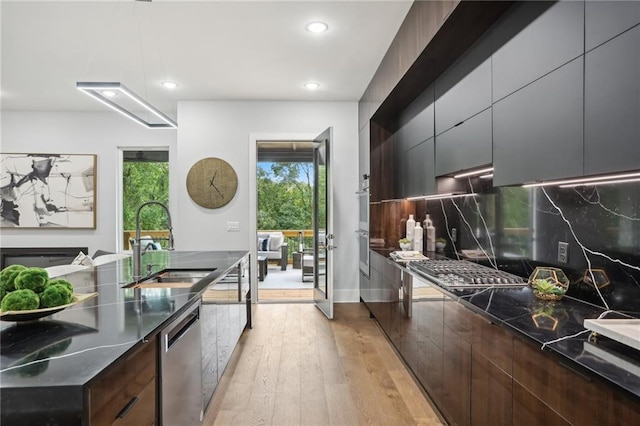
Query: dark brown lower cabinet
x=127, y=393
x=456, y=380
x=529, y=410
x=578, y=398
x=491, y=391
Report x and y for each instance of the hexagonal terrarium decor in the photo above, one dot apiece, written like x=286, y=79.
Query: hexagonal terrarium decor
x=549, y=283
x=599, y=275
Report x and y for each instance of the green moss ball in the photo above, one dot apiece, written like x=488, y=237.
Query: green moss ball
x=55, y=295
x=60, y=281
x=8, y=276
x=34, y=279
x=20, y=300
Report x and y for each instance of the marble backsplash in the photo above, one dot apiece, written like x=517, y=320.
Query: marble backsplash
x=517, y=229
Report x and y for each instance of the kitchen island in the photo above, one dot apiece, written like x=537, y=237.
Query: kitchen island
x=501, y=356
x=52, y=369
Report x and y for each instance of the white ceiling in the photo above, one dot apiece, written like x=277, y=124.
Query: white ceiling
x=215, y=50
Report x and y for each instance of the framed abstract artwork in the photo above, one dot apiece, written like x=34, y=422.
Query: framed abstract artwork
x=48, y=191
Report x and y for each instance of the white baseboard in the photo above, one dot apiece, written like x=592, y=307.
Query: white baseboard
x=346, y=296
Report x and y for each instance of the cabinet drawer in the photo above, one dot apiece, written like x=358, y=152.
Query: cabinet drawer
x=529, y=410
x=143, y=412
x=494, y=343
x=459, y=319
x=491, y=393
x=577, y=398
x=112, y=392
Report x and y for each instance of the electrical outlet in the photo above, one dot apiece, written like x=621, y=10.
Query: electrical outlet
x=233, y=226
x=563, y=252
x=454, y=234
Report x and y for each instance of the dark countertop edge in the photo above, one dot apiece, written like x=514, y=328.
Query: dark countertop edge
x=559, y=355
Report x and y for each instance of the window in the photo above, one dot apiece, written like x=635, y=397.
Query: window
x=145, y=178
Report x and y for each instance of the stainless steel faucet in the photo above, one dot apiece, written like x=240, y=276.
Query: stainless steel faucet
x=137, y=253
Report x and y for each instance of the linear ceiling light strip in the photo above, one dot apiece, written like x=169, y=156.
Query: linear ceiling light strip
x=94, y=89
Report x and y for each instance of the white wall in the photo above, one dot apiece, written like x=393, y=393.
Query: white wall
x=78, y=133
x=207, y=129
x=222, y=129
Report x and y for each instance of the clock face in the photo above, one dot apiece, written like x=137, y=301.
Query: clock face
x=212, y=182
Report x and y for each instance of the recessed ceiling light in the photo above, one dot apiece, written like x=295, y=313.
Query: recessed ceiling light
x=169, y=84
x=109, y=93
x=317, y=27
x=311, y=85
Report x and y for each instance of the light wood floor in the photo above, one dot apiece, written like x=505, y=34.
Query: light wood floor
x=295, y=367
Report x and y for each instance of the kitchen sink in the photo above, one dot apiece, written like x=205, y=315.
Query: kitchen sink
x=172, y=279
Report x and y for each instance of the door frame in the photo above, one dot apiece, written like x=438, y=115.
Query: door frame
x=254, y=138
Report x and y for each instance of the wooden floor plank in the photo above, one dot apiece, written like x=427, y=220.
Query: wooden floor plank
x=295, y=367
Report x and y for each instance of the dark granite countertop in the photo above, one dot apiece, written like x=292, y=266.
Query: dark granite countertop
x=68, y=349
x=556, y=325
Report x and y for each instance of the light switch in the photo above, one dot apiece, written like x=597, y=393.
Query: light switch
x=233, y=226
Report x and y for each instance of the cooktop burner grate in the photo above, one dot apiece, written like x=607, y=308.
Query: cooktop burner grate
x=463, y=274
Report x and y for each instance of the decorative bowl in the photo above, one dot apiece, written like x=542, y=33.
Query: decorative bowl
x=405, y=246
x=35, y=314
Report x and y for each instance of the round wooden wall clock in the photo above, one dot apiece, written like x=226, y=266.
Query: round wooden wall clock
x=212, y=182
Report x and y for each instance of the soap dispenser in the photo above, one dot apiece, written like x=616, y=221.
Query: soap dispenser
x=431, y=234
x=411, y=224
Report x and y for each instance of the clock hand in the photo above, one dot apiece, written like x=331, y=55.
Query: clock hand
x=216, y=188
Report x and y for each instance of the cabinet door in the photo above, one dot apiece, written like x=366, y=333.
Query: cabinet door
x=529, y=410
x=143, y=411
x=493, y=342
x=417, y=120
x=464, y=89
x=465, y=146
x=456, y=381
x=419, y=170
x=537, y=131
x=532, y=39
x=612, y=105
x=606, y=19
x=491, y=402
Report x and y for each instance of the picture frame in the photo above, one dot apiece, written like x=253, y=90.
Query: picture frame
x=48, y=191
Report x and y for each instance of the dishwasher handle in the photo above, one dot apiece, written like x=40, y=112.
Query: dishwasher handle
x=181, y=328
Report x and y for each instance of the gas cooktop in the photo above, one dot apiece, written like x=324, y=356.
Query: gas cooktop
x=463, y=274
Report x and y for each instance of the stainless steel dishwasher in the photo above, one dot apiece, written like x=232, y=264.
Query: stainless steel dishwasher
x=181, y=370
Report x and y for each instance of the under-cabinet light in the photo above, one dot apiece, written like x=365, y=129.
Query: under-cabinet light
x=96, y=91
x=583, y=180
x=601, y=182
x=440, y=196
x=489, y=176
x=474, y=172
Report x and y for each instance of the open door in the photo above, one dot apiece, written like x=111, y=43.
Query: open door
x=323, y=224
